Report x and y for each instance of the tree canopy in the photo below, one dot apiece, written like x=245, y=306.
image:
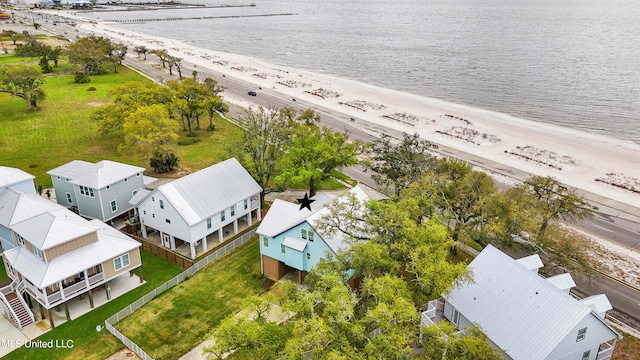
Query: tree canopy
x=93, y=54
x=24, y=82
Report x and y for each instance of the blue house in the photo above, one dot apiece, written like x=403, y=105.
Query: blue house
x=290, y=240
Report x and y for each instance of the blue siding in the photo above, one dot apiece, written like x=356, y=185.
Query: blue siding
x=317, y=249
x=6, y=239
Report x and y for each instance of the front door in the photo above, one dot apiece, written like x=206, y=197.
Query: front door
x=166, y=240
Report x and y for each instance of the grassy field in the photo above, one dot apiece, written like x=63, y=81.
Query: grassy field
x=181, y=318
x=88, y=343
x=61, y=131
x=3, y=271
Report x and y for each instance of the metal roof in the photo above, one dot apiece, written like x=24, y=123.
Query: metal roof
x=207, y=192
x=531, y=262
x=295, y=244
x=598, y=303
x=522, y=313
x=53, y=228
x=139, y=196
x=283, y=215
x=336, y=241
x=148, y=180
x=563, y=282
x=96, y=175
x=41, y=274
x=10, y=176
x=17, y=206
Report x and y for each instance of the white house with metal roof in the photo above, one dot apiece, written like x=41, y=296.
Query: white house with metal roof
x=188, y=210
x=99, y=191
x=527, y=316
x=56, y=255
x=290, y=238
x=16, y=179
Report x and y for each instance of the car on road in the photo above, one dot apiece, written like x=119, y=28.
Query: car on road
x=252, y=93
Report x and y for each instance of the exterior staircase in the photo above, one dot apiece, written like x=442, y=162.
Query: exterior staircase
x=17, y=308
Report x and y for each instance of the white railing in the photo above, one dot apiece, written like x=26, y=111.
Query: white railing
x=93, y=279
x=429, y=317
x=72, y=289
x=24, y=303
x=54, y=298
x=11, y=312
x=606, y=353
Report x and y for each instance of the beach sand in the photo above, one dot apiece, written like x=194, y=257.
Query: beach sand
x=575, y=158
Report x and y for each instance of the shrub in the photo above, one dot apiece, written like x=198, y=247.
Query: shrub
x=81, y=78
x=91, y=88
x=188, y=141
x=163, y=161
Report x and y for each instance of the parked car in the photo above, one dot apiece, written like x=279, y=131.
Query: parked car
x=252, y=93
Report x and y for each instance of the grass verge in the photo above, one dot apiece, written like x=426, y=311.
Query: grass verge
x=181, y=318
x=87, y=342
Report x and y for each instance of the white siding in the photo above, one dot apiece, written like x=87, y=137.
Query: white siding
x=151, y=206
x=570, y=349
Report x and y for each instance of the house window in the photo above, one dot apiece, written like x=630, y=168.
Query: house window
x=209, y=223
x=134, y=192
x=153, y=216
x=114, y=206
x=86, y=191
x=38, y=252
x=10, y=268
x=168, y=221
x=66, y=179
x=161, y=204
x=265, y=241
x=58, y=177
x=581, y=334
x=153, y=198
x=308, y=256
x=586, y=354
x=138, y=174
x=69, y=198
x=108, y=187
x=20, y=240
x=307, y=235
x=222, y=215
x=120, y=262
x=144, y=212
x=282, y=248
x=246, y=204
x=126, y=179
x=456, y=317
x=233, y=210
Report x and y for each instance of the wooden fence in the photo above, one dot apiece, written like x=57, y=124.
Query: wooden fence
x=163, y=252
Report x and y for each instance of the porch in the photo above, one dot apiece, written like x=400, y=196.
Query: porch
x=212, y=240
x=606, y=350
x=434, y=313
x=65, y=289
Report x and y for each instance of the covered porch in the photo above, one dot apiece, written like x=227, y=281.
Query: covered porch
x=202, y=246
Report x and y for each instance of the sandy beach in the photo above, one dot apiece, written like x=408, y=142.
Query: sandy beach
x=604, y=166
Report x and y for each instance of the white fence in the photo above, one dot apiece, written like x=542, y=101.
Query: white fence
x=117, y=317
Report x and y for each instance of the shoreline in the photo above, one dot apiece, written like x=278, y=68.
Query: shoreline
x=575, y=157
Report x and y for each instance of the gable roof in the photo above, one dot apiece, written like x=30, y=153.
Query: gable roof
x=111, y=243
x=96, y=175
x=10, y=176
x=17, y=206
x=531, y=262
x=510, y=303
x=206, y=192
x=563, y=282
x=53, y=228
x=284, y=215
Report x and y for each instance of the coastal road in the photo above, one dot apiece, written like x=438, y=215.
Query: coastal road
x=614, y=221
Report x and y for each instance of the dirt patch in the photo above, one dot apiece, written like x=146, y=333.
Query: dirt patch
x=124, y=354
x=627, y=349
x=96, y=104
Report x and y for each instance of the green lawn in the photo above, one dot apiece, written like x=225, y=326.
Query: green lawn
x=89, y=344
x=60, y=129
x=3, y=271
x=181, y=318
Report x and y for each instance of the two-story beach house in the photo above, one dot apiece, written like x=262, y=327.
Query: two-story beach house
x=53, y=255
x=99, y=191
x=290, y=238
x=526, y=316
x=18, y=180
x=188, y=210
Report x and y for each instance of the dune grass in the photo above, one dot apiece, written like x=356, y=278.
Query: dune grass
x=87, y=342
x=182, y=317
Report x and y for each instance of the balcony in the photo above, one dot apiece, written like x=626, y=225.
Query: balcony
x=74, y=288
x=605, y=352
x=433, y=314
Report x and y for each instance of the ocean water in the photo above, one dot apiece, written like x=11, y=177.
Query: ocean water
x=573, y=63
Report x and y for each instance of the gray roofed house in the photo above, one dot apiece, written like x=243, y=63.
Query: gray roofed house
x=186, y=211
x=526, y=316
x=99, y=191
x=52, y=255
x=16, y=178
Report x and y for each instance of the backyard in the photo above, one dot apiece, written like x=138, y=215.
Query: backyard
x=87, y=342
x=182, y=317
